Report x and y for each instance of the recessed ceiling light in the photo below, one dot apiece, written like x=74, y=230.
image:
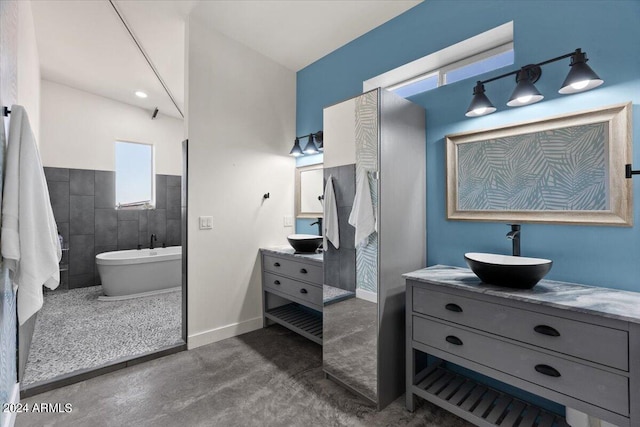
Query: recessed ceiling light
x=141, y=94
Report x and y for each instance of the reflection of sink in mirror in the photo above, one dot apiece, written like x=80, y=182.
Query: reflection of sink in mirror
x=304, y=242
x=506, y=270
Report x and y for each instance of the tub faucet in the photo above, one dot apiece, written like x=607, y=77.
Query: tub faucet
x=514, y=236
x=151, y=240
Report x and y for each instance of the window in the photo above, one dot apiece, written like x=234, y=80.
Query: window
x=417, y=85
x=485, y=52
x=134, y=175
x=479, y=64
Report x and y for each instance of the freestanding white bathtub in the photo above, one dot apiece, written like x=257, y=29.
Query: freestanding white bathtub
x=135, y=273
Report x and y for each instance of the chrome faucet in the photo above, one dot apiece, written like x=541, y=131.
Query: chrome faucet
x=153, y=238
x=514, y=236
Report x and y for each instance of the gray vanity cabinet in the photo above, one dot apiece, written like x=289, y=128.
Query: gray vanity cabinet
x=292, y=291
x=572, y=344
x=380, y=136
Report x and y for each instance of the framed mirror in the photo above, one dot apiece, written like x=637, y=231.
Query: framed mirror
x=567, y=169
x=309, y=190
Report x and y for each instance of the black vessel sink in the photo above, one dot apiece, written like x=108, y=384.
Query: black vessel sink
x=305, y=243
x=508, y=271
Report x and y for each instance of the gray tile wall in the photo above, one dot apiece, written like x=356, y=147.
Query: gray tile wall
x=340, y=264
x=83, y=204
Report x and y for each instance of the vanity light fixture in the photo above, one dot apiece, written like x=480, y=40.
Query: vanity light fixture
x=311, y=146
x=480, y=104
x=580, y=78
x=314, y=145
x=525, y=92
x=296, y=151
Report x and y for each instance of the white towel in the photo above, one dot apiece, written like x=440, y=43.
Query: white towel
x=362, y=216
x=331, y=230
x=30, y=244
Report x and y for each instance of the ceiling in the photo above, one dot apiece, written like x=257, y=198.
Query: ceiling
x=84, y=44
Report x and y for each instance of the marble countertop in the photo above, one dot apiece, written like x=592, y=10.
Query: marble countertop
x=611, y=303
x=289, y=251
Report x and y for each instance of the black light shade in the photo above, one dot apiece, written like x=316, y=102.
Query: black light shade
x=311, y=148
x=296, y=151
x=480, y=104
x=525, y=92
x=581, y=77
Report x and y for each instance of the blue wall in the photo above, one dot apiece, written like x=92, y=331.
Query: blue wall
x=608, y=31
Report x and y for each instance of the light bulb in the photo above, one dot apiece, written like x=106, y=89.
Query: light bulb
x=480, y=111
x=141, y=94
x=580, y=85
x=524, y=99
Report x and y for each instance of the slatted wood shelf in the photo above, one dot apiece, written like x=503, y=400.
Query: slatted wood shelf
x=302, y=321
x=478, y=404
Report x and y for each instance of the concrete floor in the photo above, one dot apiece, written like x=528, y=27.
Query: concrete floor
x=350, y=338
x=269, y=377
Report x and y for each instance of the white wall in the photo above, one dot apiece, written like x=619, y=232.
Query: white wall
x=241, y=122
x=28, y=63
x=78, y=130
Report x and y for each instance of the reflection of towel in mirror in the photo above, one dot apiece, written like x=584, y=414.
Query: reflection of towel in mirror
x=362, y=216
x=30, y=244
x=331, y=231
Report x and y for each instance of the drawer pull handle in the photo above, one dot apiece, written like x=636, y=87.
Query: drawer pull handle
x=303, y=291
x=453, y=307
x=454, y=340
x=547, y=370
x=276, y=264
x=276, y=282
x=303, y=270
x=546, y=330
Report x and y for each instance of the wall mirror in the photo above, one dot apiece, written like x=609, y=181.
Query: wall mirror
x=95, y=71
x=309, y=190
x=567, y=169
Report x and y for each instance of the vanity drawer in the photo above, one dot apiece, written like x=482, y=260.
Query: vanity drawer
x=605, y=389
x=302, y=291
x=595, y=343
x=297, y=270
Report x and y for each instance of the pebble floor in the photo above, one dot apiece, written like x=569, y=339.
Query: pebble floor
x=75, y=331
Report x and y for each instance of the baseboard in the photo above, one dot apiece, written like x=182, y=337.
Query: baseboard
x=223, y=332
x=9, y=418
x=367, y=295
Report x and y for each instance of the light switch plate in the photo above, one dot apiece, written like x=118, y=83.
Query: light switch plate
x=206, y=222
x=288, y=221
